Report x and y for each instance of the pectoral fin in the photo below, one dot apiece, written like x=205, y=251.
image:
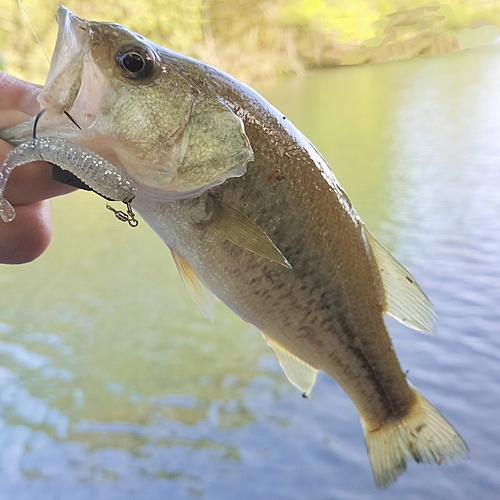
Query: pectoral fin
x=240, y=230
x=404, y=299
x=198, y=292
x=298, y=372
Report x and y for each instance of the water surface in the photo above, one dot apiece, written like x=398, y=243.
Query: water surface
x=114, y=386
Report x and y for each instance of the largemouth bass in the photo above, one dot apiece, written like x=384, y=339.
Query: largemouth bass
x=251, y=212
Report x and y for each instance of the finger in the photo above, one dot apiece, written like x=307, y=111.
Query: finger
x=32, y=183
x=10, y=117
x=27, y=236
x=19, y=94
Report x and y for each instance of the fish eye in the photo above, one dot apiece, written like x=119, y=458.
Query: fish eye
x=135, y=62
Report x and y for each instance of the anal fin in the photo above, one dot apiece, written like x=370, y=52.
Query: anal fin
x=298, y=372
x=239, y=229
x=404, y=299
x=198, y=292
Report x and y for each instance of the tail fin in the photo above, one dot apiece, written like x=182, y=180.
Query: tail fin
x=423, y=434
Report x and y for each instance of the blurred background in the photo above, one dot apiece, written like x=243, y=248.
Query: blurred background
x=261, y=39
x=112, y=383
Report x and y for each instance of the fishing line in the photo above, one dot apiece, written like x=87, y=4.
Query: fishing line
x=33, y=29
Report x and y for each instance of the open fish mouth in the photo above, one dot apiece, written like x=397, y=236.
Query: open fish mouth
x=75, y=84
x=65, y=74
x=71, y=38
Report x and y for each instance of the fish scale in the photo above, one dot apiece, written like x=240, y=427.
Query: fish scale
x=279, y=310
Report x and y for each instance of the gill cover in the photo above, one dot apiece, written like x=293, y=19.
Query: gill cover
x=214, y=146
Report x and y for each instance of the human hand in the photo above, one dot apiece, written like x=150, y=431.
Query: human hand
x=30, y=186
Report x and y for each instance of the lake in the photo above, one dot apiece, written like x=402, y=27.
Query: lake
x=114, y=386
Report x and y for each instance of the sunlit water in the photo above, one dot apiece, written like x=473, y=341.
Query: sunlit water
x=114, y=386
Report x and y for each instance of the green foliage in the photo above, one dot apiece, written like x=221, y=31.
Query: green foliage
x=345, y=19
x=262, y=38
x=171, y=23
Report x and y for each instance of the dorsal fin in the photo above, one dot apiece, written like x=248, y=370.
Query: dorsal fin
x=239, y=229
x=298, y=372
x=404, y=299
x=198, y=292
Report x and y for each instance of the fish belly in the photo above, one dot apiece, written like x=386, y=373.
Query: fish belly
x=326, y=310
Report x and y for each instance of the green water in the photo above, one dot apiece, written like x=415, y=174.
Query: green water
x=114, y=386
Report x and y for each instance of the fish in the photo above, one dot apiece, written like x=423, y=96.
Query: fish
x=251, y=213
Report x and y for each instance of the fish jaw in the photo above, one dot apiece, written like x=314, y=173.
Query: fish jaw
x=75, y=85
x=65, y=74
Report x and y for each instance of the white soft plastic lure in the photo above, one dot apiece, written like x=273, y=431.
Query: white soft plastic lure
x=96, y=172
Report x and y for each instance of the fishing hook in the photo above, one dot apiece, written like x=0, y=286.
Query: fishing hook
x=72, y=120
x=39, y=115
x=37, y=119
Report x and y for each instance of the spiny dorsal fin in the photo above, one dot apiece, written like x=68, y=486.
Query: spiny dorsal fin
x=298, y=372
x=240, y=230
x=404, y=299
x=198, y=292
